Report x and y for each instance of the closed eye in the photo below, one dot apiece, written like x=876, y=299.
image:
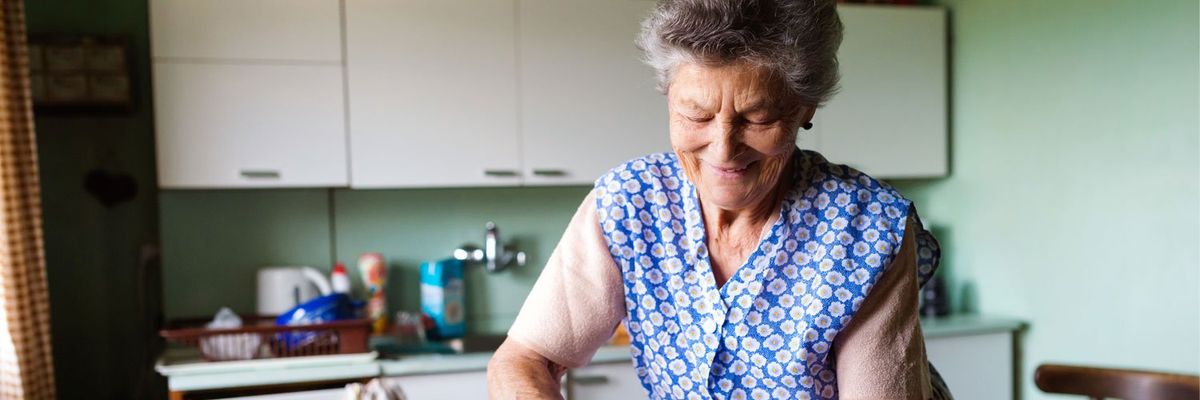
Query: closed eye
x=760, y=121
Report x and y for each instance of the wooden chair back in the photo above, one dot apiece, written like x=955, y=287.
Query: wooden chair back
x=1100, y=383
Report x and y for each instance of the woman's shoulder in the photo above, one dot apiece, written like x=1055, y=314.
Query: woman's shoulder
x=819, y=175
x=653, y=171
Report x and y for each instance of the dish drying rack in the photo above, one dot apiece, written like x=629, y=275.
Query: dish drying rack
x=260, y=338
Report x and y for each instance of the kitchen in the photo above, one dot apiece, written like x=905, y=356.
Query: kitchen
x=220, y=213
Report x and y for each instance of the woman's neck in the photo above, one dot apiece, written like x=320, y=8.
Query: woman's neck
x=727, y=220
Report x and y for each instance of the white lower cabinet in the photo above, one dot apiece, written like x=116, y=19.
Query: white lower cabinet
x=975, y=366
x=615, y=380
x=461, y=385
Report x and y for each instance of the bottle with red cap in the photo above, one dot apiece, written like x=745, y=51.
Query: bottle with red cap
x=338, y=279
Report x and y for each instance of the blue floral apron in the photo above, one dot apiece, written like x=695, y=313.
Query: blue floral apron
x=768, y=331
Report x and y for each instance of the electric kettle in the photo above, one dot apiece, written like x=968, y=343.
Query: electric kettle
x=281, y=288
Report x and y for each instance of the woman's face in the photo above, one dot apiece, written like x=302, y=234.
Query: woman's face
x=734, y=131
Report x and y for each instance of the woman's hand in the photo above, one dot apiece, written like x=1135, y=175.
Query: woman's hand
x=518, y=372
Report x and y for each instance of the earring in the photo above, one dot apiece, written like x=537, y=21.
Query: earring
x=807, y=126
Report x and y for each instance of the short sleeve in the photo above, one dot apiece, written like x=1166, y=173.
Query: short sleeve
x=578, y=299
x=881, y=354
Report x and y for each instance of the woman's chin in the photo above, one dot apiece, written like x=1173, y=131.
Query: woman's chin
x=728, y=194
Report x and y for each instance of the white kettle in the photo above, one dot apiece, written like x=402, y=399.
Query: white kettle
x=280, y=288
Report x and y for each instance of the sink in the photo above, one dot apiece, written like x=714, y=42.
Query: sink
x=483, y=343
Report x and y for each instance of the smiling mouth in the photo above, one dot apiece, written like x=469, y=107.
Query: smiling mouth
x=731, y=173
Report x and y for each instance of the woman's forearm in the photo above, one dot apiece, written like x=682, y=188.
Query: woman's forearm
x=517, y=372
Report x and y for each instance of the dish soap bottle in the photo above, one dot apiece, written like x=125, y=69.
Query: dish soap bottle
x=338, y=279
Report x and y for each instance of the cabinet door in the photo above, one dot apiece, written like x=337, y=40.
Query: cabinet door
x=462, y=385
x=976, y=366
x=275, y=30
x=889, y=118
x=587, y=101
x=606, y=381
x=230, y=125
x=432, y=93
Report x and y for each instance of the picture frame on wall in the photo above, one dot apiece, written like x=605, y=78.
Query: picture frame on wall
x=80, y=73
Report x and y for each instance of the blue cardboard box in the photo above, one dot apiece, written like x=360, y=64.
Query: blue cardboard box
x=442, y=297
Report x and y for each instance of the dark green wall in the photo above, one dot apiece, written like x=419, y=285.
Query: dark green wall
x=92, y=251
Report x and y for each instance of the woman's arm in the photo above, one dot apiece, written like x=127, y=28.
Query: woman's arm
x=572, y=310
x=881, y=353
x=518, y=372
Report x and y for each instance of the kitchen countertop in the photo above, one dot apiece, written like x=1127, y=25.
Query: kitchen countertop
x=186, y=372
x=968, y=324
x=188, y=376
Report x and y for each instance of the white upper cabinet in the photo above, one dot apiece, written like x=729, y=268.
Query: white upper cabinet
x=248, y=126
x=889, y=118
x=432, y=93
x=437, y=93
x=587, y=101
x=288, y=30
x=248, y=93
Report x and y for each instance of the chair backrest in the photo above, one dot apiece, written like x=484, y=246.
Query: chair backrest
x=1099, y=383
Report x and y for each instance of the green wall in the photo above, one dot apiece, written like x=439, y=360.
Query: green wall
x=1074, y=192
x=214, y=241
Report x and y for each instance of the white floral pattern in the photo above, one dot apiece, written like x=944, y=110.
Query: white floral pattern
x=768, y=331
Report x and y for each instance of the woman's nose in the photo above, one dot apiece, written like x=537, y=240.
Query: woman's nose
x=725, y=140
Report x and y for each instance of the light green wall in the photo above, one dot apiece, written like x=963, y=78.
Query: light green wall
x=214, y=241
x=1074, y=193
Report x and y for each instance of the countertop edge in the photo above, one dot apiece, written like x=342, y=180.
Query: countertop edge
x=942, y=327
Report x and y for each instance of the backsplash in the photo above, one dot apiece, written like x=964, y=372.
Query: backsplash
x=214, y=241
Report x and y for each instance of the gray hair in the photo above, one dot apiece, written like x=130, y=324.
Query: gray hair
x=794, y=39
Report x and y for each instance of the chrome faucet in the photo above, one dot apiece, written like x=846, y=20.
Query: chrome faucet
x=494, y=255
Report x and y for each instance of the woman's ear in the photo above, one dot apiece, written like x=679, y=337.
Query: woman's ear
x=806, y=113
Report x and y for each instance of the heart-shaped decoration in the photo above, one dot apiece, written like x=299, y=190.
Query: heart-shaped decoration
x=110, y=188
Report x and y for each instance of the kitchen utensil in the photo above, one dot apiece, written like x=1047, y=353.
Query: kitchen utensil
x=323, y=309
x=281, y=288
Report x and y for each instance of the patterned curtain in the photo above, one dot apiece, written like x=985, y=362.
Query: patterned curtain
x=26, y=362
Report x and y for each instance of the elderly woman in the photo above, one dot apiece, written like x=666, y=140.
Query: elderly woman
x=742, y=266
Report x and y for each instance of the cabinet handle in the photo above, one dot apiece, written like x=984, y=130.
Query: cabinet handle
x=549, y=172
x=500, y=172
x=588, y=380
x=260, y=173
